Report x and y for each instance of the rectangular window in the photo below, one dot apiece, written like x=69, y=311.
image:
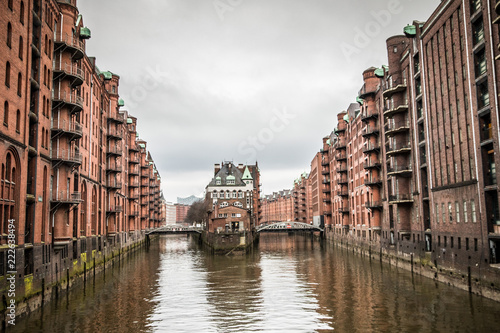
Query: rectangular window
x=473, y=211
x=449, y=212
x=459, y=243
x=475, y=244
x=466, y=219
x=457, y=211
x=451, y=242
x=437, y=213
x=443, y=212
x=439, y=240
x=445, y=241
x=467, y=243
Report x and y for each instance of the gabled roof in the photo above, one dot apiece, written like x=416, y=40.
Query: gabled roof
x=247, y=175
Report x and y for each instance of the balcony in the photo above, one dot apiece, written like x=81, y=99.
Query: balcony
x=371, y=147
x=369, y=115
x=370, y=130
x=133, y=148
x=400, y=199
x=116, y=117
x=134, y=196
x=341, y=144
x=327, y=213
x=365, y=92
x=72, y=128
x=68, y=71
x=392, y=110
x=394, y=127
x=486, y=134
x=114, y=133
x=113, y=168
x=375, y=181
x=371, y=165
x=114, y=209
x=325, y=163
x=113, y=184
x=342, y=181
x=133, y=184
x=340, y=129
x=133, y=171
x=342, y=169
x=342, y=193
x=117, y=151
x=344, y=210
x=398, y=148
x=65, y=197
x=72, y=101
x=341, y=156
x=67, y=156
x=394, y=87
x=133, y=213
x=374, y=204
x=65, y=42
x=401, y=170
x=325, y=171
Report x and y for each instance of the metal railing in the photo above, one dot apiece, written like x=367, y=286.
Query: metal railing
x=69, y=40
x=66, y=155
x=71, y=69
x=66, y=196
x=68, y=126
x=67, y=97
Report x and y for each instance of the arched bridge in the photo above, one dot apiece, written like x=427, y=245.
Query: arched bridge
x=174, y=229
x=288, y=227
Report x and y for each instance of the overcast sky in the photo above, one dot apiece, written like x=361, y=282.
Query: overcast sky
x=240, y=80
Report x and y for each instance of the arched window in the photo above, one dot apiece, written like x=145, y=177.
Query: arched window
x=7, y=74
x=19, y=83
x=10, y=4
x=21, y=47
x=9, y=35
x=47, y=138
x=18, y=121
x=6, y=113
x=21, y=13
x=43, y=137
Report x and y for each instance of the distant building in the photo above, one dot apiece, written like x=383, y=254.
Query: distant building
x=181, y=212
x=171, y=213
x=188, y=200
x=233, y=195
x=277, y=207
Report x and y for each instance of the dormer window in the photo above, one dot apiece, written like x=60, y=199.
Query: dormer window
x=230, y=182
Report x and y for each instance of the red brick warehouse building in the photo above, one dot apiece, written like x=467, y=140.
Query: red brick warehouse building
x=75, y=177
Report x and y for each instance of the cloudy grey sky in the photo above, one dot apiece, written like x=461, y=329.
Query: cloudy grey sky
x=240, y=80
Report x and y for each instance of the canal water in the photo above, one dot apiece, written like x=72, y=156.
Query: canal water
x=291, y=283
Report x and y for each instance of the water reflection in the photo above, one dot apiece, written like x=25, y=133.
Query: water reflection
x=290, y=284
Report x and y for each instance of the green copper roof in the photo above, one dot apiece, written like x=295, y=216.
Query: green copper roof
x=329, y=142
x=84, y=32
x=218, y=177
x=410, y=30
x=379, y=72
x=359, y=100
x=247, y=175
x=129, y=121
x=230, y=177
x=142, y=145
x=346, y=117
x=107, y=75
x=121, y=102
